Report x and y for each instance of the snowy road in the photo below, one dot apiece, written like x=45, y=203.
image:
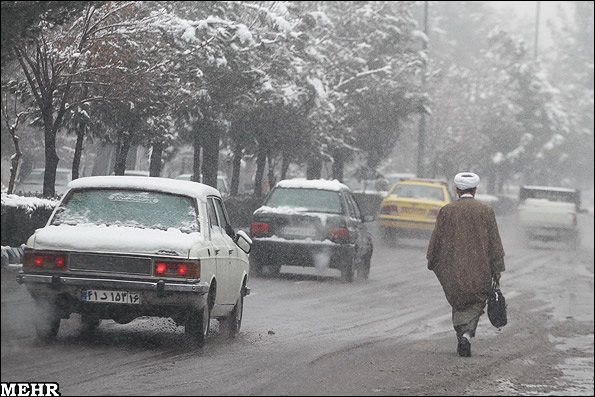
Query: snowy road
x=312, y=335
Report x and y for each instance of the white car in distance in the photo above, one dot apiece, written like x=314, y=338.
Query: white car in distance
x=33, y=183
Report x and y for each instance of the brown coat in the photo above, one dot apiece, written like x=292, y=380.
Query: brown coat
x=463, y=245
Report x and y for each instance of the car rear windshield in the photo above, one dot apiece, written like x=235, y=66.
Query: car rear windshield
x=311, y=200
x=133, y=208
x=418, y=192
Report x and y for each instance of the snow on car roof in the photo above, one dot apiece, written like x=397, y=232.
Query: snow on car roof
x=423, y=181
x=166, y=185
x=323, y=184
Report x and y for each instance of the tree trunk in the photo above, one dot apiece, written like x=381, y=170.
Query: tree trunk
x=260, y=163
x=122, y=153
x=271, y=173
x=210, y=157
x=78, y=152
x=339, y=165
x=14, y=159
x=314, y=170
x=51, y=162
x=196, y=158
x=156, y=156
x=235, y=171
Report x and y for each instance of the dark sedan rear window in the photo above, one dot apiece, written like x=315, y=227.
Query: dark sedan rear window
x=133, y=208
x=312, y=200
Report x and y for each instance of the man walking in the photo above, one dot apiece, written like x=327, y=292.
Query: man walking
x=465, y=252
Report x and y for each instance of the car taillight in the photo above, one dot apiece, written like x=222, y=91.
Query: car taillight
x=177, y=269
x=574, y=222
x=390, y=209
x=45, y=260
x=260, y=229
x=433, y=213
x=338, y=235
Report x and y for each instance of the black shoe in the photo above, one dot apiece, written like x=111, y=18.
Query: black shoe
x=464, y=347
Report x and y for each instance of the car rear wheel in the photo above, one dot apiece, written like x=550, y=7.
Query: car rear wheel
x=197, y=325
x=364, y=268
x=347, y=272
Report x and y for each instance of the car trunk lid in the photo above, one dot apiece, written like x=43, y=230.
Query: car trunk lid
x=413, y=208
x=116, y=239
x=294, y=225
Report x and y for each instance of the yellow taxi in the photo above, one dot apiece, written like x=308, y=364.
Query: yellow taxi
x=411, y=207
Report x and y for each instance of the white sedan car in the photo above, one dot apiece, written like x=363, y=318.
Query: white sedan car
x=120, y=247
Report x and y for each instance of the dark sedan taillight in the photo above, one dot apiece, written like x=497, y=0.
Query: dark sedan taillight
x=338, y=235
x=185, y=269
x=45, y=260
x=260, y=229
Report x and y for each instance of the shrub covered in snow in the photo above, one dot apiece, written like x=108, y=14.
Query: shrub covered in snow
x=22, y=215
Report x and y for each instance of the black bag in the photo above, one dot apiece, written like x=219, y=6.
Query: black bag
x=497, y=306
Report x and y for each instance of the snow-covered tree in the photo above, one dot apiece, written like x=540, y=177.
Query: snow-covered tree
x=500, y=117
x=572, y=73
x=13, y=115
x=533, y=103
x=363, y=65
x=61, y=55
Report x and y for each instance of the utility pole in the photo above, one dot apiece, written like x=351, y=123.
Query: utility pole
x=422, y=120
x=536, y=30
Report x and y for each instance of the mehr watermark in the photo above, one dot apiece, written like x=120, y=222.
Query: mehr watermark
x=30, y=389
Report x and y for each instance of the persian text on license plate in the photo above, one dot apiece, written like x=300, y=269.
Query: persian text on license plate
x=298, y=231
x=102, y=296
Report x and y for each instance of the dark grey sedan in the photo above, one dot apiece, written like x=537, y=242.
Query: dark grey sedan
x=311, y=223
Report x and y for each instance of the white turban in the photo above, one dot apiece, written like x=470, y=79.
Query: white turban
x=466, y=180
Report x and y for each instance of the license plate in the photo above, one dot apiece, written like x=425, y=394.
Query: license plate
x=102, y=296
x=413, y=211
x=298, y=231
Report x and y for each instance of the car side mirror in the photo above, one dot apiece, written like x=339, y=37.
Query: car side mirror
x=243, y=241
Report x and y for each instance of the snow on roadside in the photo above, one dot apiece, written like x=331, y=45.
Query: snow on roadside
x=574, y=368
x=30, y=203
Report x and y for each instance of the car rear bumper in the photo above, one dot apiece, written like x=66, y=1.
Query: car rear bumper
x=551, y=233
x=156, y=298
x=88, y=282
x=407, y=224
x=302, y=253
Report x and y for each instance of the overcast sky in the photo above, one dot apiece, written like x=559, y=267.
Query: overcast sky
x=548, y=11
